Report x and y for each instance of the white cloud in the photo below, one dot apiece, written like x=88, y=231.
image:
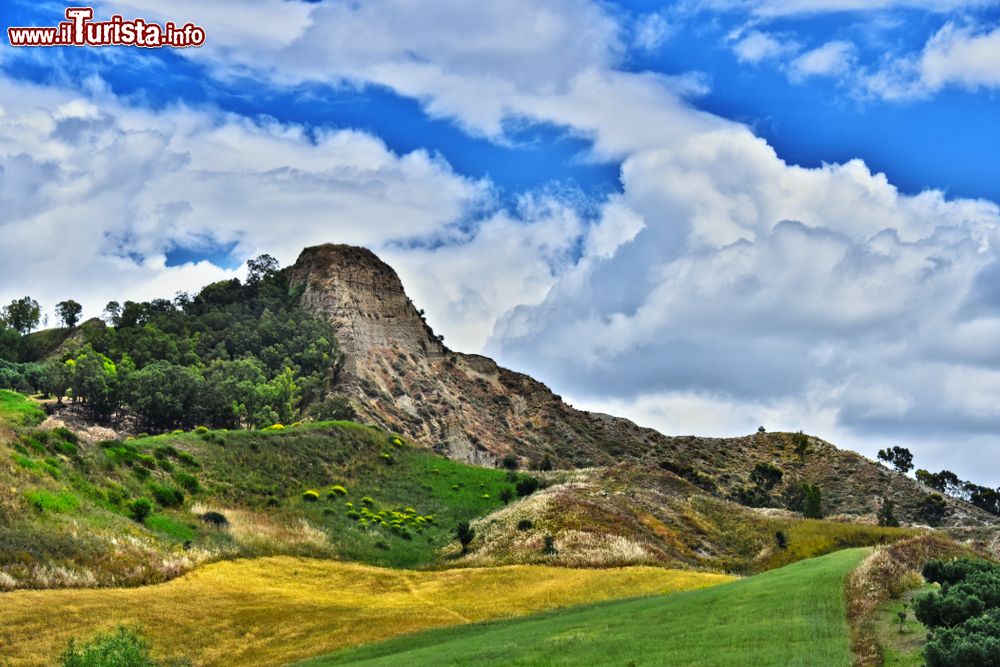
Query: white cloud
x=651, y=31
x=831, y=59
x=963, y=57
x=779, y=8
x=757, y=46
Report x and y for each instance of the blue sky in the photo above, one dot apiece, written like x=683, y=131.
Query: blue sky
x=703, y=214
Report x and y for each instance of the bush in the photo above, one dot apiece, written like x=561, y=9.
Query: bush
x=812, y=504
x=188, y=481
x=526, y=486
x=216, y=519
x=964, y=616
x=506, y=494
x=525, y=524
x=310, y=495
x=932, y=509
x=549, y=546
x=510, y=462
x=166, y=496
x=887, y=515
x=782, y=539
x=125, y=647
x=139, y=509
x=338, y=490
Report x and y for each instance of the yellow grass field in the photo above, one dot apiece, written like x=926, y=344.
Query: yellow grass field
x=271, y=611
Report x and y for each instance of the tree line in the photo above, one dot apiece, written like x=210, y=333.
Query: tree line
x=235, y=355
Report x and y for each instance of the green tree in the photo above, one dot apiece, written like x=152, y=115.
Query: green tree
x=69, y=312
x=22, y=315
x=465, y=534
x=932, y=509
x=887, y=514
x=899, y=458
x=812, y=503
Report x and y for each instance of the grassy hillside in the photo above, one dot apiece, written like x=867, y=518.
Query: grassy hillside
x=348, y=491
x=275, y=610
x=791, y=616
x=332, y=489
x=628, y=514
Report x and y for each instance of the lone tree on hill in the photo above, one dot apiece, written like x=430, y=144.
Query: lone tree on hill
x=22, y=315
x=69, y=312
x=465, y=534
x=899, y=458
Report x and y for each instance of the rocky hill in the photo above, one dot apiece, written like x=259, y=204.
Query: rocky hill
x=398, y=374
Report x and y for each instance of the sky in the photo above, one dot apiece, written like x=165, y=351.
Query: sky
x=704, y=215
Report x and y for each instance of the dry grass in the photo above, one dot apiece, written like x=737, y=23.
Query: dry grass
x=275, y=610
x=262, y=530
x=886, y=574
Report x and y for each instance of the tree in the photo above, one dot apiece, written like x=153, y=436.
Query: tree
x=506, y=494
x=261, y=267
x=932, y=509
x=812, y=504
x=766, y=476
x=69, y=312
x=899, y=458
x=465, y=534
x=886, y=514
x=22, y=315
x=112, y=313
x=801, y=443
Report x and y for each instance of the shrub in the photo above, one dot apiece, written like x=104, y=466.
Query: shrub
x=188, y=481
x=549, y=546
x=338, y=490
x=354, y=515
x=167, y=496
x=932, y=509
x=766, y=476
x=546, y=463
x=525, y=524
x=216, y=519
x=526, y=486
x=367, y=501
x=139, y=509
x=387, y=457
x=782, y=539
x=310, y=495
x=506, y=494
x=125, y=647
x=201, y=429
x=187, y=459
x=510, y=462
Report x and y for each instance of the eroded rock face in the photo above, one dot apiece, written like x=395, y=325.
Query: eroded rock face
x=397, y=374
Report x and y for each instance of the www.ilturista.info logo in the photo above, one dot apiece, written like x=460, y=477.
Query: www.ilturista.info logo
x=79, y=29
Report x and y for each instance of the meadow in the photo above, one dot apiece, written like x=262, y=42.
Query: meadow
x=275, y=610
x=791, y=616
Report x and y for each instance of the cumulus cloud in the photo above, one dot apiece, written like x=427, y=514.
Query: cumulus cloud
x=831, y=59
x=756, y=46
x=965, y=57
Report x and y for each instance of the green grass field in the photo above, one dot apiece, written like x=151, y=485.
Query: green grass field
x=18, y=410
x=791, y=616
